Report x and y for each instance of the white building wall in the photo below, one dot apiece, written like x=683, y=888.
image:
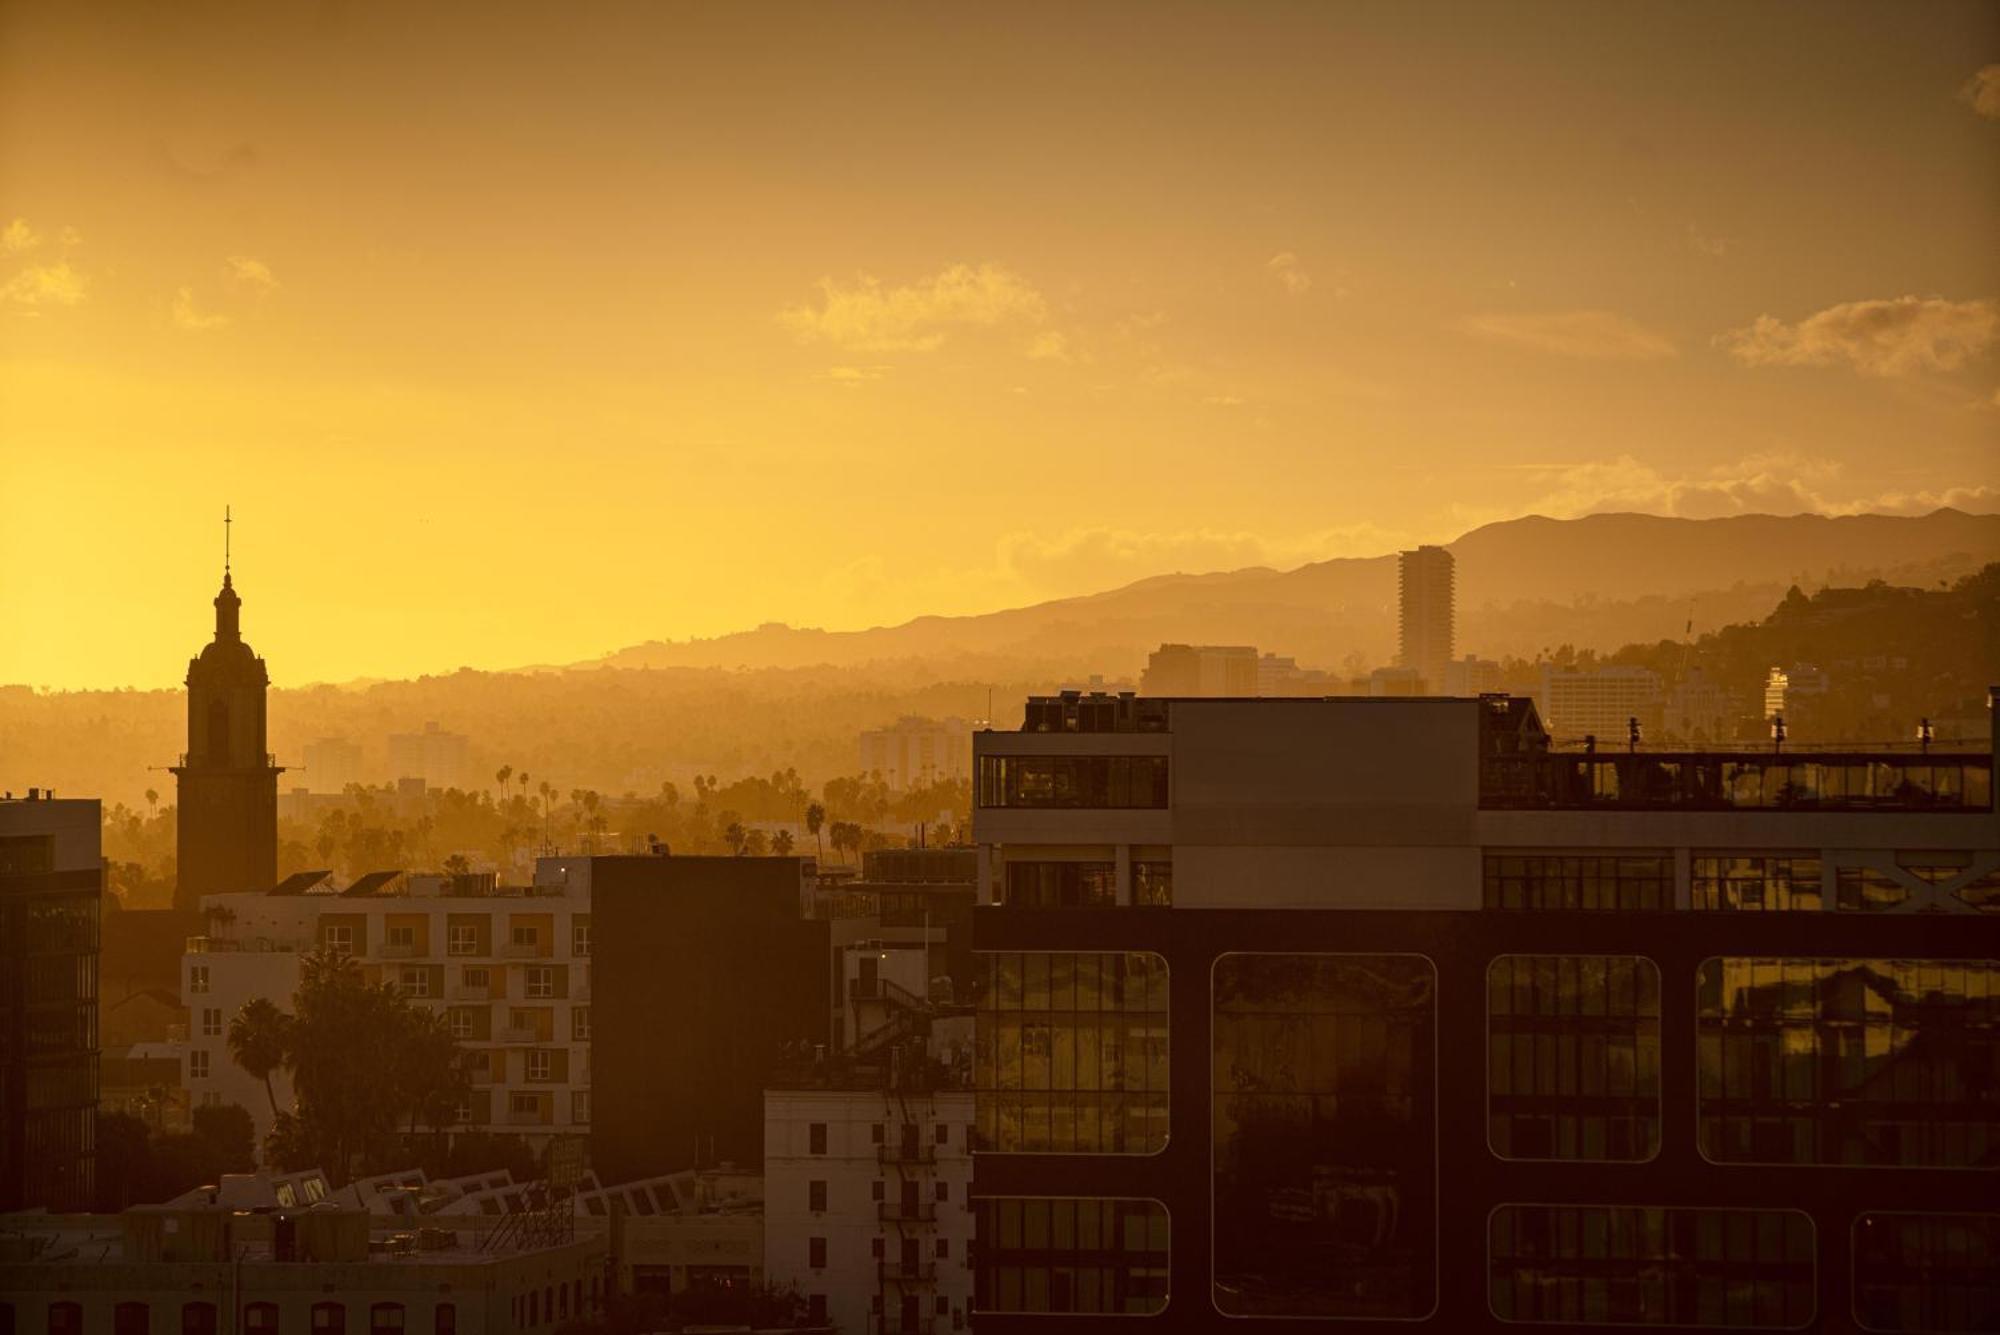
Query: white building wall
x=865, y=1167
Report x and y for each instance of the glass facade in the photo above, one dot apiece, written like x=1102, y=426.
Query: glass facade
x=1722, y=781
x=1325, y=1136
x=1866, y=890
x=1626, y=1265
x=1927, y=1272
x=1573, y=1057
x=1070, y=1053
x=1849, y=1061
x=1099, y=782
x=1062, y=885
x=1070, y=1255
x=1782, y=882
x=1153, y=882
x=1640, y=879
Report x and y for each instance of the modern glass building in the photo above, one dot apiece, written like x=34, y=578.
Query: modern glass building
x=1412, y=1020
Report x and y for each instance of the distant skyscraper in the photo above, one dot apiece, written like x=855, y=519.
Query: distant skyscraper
x=228, y=803
x=1424, y=577
x=439, y=758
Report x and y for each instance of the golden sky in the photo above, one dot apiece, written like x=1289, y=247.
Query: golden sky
x=516, y=333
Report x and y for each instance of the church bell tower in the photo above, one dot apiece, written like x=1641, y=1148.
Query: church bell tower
x=228, y=787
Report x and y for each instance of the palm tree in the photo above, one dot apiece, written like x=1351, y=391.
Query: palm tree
x=259, y=1036
x=500, y=777
x=547, y=790
x=781, y=843
x=734, y=835
x=815, y=819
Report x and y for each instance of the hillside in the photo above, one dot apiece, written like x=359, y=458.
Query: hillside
x=1524, y=584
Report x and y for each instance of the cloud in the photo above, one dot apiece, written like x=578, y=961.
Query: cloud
x=1710, y=247
x=866, y=316
x=188, y=316
x=251, y=275
x=45, y=285
x=1775, y=484
x=1591, y=335
x=17, y=238
x=853, y=376
x=1049, y=345
x=1285, y=267
x=1982, y=92
x=1897, y=336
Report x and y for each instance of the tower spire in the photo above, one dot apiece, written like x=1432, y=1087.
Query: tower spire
x=227, y=604
x=226, y=521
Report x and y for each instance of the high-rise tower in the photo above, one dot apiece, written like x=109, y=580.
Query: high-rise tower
x=228, y=803
x=1425, y=577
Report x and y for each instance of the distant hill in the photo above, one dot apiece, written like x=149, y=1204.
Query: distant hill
x=1524, y=585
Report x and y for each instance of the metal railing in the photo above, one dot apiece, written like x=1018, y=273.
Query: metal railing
x=916, y=1212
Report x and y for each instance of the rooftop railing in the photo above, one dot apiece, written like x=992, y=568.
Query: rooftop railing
x=1848, y=780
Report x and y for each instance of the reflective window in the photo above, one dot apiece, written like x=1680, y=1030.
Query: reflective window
x=1073, y=781
x=1927, y=1272
x=1981, y=892
x=1573, y=1057
x=1866, y=890
x=1153, y=882
x=198, y=1319
x=1071, y=1053
x=385, y=1319
x=1642, y=879
x=329, y=1317
x=131, y=1319
x=1782, y=883
x=261, y=1318
x=1325, y=1137
x=1622, y=1265
x=65, y=1319
x=1849, y=1061
x=1038, y=1254
x=1062, y=885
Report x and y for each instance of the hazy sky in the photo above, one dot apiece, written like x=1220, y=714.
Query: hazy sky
x=518, y=333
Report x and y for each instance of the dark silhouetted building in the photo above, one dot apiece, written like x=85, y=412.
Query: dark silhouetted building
x=227, y=818
x=1424, y=580
x=706, y=971
x=1385, y=1011
x=51, y=886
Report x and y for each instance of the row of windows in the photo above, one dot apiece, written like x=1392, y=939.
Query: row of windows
x=1798, y=1061
x=1598, y=1265
x=1086, y=885
x=1071, y=1053
x=460, y=938
x=878, y=1192
x=1737, y=782
x=816, y=1250
x=816, y=1137
x=1643, y=880
x=259, y=1318
x=1076, y=782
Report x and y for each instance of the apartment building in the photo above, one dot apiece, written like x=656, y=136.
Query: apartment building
x=867, y=1201
x=1600, y=703
x=51, y=890
x=1386, y=1012
x=509, y=966
x=1201, y=669
x=917, y=751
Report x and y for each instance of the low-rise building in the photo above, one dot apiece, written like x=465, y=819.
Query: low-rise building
x=509, y=967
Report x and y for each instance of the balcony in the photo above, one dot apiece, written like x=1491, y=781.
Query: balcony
x=522, y=950
x=916, y=1212
x=513, y=1034
x=399, y=950
x=465, y=993
x=917, y=1155
x=523, y=1117
x=898, y=1272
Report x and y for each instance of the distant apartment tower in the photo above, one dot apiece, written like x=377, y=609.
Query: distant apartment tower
x=918, y=751
x=51, y=884
x=1424, y=581
x=1471, y=676
x=331, y=764
x=437, y=757
x=1600, y=703
x=1207, y=670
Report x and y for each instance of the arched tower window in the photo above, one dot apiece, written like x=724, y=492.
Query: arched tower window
x=218, y=732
